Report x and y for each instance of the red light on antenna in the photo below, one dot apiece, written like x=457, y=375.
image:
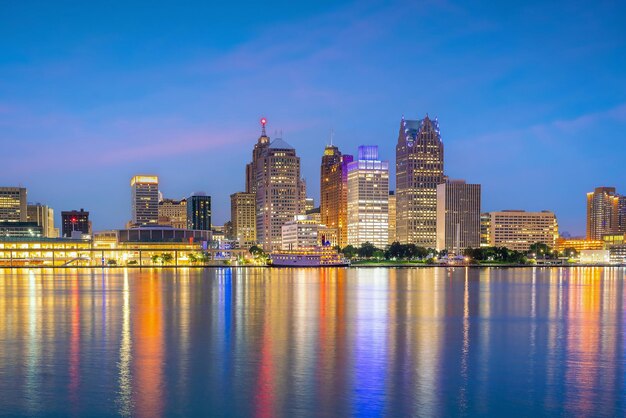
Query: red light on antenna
x=263, y=121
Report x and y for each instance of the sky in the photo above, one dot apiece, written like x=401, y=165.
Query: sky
x=530, y=96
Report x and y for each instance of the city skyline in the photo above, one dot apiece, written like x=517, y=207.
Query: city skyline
x=523, y=126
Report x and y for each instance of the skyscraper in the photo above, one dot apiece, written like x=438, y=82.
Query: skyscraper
x=243, y=218
x=144, y=200
x=334, y=192
x=278, y=196
x=368, y=199
x=419, y=169
x=13, y=204
x=73, y=221
x=199, y=212
x=458, y=216
x=605, y=210
x=251, y=168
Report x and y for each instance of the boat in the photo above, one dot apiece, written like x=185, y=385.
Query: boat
x=310, y=257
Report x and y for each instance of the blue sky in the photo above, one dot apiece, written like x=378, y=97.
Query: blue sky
x=531, y=96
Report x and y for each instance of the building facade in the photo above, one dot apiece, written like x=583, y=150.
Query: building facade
x=300, y=233
x=75, y=221
x=368, y=199
x=144, y=200
x=199, y=212
x=173, y=213
x=518, y=229
x=243, y=218
x=458, y=216
x=334, y=192
x=13, y=204
x=43, y=216
x=606, y=213
x=392, y=217
x=278, y=196
x=419, y=169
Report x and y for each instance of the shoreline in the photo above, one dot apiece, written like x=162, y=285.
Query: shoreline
x=357, y=266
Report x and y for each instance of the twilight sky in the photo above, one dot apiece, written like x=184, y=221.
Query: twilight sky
x=530, y=96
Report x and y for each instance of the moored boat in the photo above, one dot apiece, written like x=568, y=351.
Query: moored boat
x=312, y=257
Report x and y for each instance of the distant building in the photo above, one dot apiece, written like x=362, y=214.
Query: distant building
x=75, y=221
x=485, y=228
x=43, y=216
x=199, y=212
x=144, y=200
x=252, y=168
x=606, y=213
x=315, y=214
x=334, y=192
x=392, y=217
x=243, y=218
x=518, y=229
x=458, y=216
x=20, y=230
x=419, y=169
x=173, y=213
x=368, y=199
x=300, y=233
x=13, y=204
x=309, y=204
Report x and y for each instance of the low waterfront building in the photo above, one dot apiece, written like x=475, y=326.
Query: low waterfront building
x=518, y=230
x=578, y=244
x=617, y=254
x=300, y=233
x=595, y=257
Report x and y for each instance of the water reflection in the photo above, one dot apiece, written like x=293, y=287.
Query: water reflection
x=329, y=342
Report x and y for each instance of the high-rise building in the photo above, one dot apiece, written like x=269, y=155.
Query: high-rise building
x=173, y=213
x=334, y=192
x=75, y=221
x=368, y=199
x=199, y=212
x=144, y=200
x=458, y=216
x=606, y=213
x=518, y=229
x=243, y=218
x=278, y=196
x=13, y=204
x=251, y=168
x=419, y=169
x=392, y=217
x=43, y=216
x=302, y=197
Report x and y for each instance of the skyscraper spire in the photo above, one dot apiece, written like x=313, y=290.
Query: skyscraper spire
x=332, y=134
x=263, y=123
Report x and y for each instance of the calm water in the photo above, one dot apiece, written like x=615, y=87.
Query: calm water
x=334, y=342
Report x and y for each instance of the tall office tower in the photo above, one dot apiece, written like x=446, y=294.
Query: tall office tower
x=392, y=216
x=458, y=216
x=199, y=212
x=419, y=169
x=144, y=200
x=518, y=229
x=43, y=216
x=621, y=214
x=13, y=204
x=173, y=213
x=603, y=215
x=75, y=221
x=278, y=198
x=302, y=197
x=243, y=218
x=251, y=168
x=334, y=192
x=368, y=199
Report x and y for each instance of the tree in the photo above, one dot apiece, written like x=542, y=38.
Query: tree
x=256, y=251
x=540, y=250
x=570, y=252
x=366, y=250
x=349, y=251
